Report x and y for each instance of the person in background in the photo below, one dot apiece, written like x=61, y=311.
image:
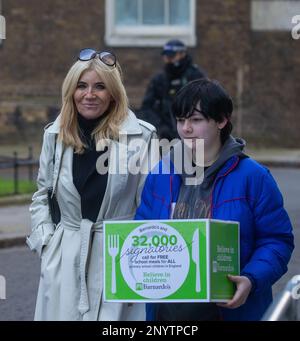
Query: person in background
x=178, y=71
x=93, y=117
x=234, y=187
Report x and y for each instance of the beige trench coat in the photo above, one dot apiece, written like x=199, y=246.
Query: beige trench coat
x=71, y=280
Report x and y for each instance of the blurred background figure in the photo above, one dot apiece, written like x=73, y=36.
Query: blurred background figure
x=178, y=71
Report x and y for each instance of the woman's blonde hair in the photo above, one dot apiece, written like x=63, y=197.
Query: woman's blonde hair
x=108, y=128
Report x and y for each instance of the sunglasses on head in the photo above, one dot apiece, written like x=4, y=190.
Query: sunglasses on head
x=108, y=58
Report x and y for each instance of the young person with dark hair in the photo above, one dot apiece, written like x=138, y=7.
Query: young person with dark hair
x=234, y=187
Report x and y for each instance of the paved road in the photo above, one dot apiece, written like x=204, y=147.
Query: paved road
x=21, y=270
x=289, y=183
x=21, y=267
x=15, y=219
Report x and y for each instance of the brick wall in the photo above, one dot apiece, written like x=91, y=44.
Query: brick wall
x=261, y=70
x=272, y=112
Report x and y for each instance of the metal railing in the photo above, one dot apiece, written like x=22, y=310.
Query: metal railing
x=286, y=305
x=15, y=163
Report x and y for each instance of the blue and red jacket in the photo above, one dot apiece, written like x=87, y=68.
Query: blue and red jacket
x=243, y=191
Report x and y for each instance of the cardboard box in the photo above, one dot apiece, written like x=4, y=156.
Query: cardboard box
x=170, y=260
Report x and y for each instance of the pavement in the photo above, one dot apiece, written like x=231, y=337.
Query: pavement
x=277, y=157
x=14, y=224
x=15, y=218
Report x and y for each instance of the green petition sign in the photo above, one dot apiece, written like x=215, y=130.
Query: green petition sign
x=171, y=260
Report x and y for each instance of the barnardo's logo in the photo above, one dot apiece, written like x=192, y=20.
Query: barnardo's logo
x=2, y=288
x=2, y=27
x=135, y=157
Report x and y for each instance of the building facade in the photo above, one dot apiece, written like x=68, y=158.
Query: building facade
x=246, y=45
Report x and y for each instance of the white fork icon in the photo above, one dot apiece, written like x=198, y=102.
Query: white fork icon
x=113, y=250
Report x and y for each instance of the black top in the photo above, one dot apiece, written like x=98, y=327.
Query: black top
x=89, y=183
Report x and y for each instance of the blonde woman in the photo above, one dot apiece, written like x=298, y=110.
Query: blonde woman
x=92, y=124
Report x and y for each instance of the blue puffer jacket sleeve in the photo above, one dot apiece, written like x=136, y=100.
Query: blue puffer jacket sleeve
x=274, y=241
x=145, y=208
x=160, y=190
